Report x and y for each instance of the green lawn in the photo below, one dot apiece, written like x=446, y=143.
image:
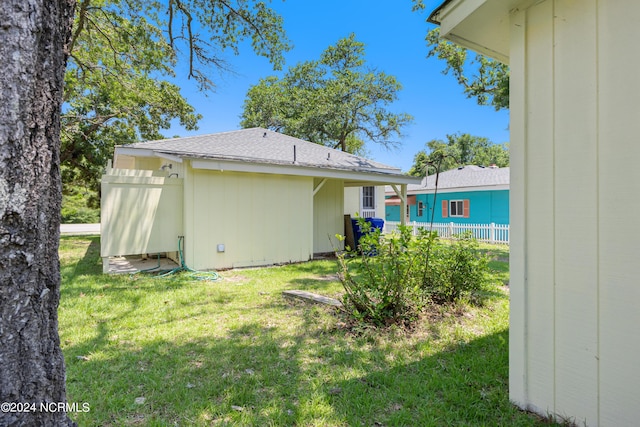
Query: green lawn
x=180, y=352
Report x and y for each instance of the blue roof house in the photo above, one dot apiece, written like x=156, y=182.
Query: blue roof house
x=468, y=194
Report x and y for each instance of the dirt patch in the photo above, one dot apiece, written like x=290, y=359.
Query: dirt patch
x=236, y=278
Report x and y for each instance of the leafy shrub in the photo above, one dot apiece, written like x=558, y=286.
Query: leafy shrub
x=456, y=271
x=390, y=279
x=379, y=277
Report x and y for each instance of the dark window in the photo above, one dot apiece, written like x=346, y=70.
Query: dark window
x=456, y=208
x=368, y=197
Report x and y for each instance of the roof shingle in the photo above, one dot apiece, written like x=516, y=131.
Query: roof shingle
x=463, y=177
x=260, y=145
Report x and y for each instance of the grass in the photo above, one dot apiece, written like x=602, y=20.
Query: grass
x=167, y=352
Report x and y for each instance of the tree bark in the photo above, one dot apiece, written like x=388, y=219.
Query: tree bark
x=33, y=36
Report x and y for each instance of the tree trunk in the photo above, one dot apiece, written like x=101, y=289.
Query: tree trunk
x=33, y=36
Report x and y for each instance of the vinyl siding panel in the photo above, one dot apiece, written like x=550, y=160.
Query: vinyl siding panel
x=574, y=288
x=352, y=201
x=540, y=205
x=148, y=163
x=576, y=189
x=140, y=213
x=328, y=216
x=260, y=219
x=124, y=162
x=518, y=307
x=618, y=210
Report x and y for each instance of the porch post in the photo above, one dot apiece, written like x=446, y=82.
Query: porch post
x=403, y=204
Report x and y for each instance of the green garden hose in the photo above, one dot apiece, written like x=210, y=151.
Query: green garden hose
x=195, y=274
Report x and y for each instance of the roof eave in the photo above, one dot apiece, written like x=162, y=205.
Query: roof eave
x=479, y=25
x=352, y=177
x=434, y=16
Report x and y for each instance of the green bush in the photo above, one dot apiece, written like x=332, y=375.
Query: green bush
x=379, y=277
x=456, y=271
x=390, y=279
x=76, y=209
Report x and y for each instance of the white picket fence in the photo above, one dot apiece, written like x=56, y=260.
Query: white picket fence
x=491, y=233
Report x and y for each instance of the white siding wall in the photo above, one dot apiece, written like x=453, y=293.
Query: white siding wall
x=261, y=219
x=575, y=121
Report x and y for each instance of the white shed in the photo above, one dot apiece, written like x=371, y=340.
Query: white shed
x=575, y=205
x=241, y=198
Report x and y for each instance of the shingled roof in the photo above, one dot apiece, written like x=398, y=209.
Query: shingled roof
x=464, y=177
x=259, y=145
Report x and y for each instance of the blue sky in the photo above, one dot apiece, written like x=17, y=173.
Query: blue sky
x=394, y=43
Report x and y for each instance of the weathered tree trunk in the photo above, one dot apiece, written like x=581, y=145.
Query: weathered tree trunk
x=33, y=35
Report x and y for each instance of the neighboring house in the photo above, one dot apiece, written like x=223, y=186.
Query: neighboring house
x=574, y=335
x=468, y=194
x=241, y=198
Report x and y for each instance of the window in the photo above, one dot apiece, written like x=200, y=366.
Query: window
x=368, y=198
x=420, y=208
x=455, y=208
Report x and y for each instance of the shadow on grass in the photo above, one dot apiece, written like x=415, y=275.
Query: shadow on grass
x=256, y=376
x=175, y=368
x=90, y=263
x=251, y=377
x=463, y=385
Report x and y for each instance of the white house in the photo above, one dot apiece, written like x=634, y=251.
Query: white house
x=240, y=198
x=574, y=208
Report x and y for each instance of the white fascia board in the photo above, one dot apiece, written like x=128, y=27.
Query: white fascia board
x=135, y=152
x=145, y=152
x=354, y=178
x=169, y=157
x=455, y=12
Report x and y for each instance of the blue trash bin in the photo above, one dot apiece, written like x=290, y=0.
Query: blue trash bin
x=358, y=233
x=376, y=223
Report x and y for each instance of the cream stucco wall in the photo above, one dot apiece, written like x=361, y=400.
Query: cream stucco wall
x=259, y=218
x=575, y=121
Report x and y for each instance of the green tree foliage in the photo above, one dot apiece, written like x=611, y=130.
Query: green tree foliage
x=123, y=54
x=336, y=101
x=458, y=150
x=75, y=209
x=490, y=84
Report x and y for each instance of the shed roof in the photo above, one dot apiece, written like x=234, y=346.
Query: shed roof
x=261, y=147
x=469, y=177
